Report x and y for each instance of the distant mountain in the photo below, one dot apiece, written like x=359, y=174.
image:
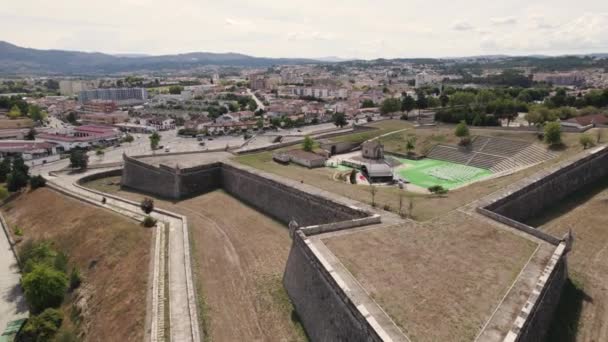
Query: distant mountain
x=19, y=60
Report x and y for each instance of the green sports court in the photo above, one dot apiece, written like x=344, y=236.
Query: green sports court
x=429, y=172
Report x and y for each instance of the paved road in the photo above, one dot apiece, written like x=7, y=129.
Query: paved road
x=255, y=98
x=12, y=302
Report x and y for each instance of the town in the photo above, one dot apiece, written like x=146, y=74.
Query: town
x=225, y=197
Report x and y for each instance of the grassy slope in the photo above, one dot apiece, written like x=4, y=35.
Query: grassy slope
x=111, y=252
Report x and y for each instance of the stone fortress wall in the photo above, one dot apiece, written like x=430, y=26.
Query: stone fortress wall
x=530, y=196
x=320, y=299
x=324, y=309
x=526, y=199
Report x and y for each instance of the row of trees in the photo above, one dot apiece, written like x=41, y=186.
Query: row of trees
x=15, y=173
x=45, y=283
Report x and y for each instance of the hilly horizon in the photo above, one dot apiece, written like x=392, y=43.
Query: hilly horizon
x=16, y=60
x=19, y=60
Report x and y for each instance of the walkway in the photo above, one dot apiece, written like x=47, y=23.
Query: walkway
x=183, y=318
x=12, y=302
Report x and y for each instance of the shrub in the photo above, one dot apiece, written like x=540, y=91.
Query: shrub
x=42, y=327
x=386, y=207
x=147, y=205
x=149, y=221
x=37, y=182
x=75, y=279
x=438, y=190
x=553, y=133
x=308, y=144
x=18, y=231
x=586, y=141
x=3, y=193
x=353, y=176
x=44, y=287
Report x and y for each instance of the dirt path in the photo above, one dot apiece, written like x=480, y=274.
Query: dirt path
x=240, y=259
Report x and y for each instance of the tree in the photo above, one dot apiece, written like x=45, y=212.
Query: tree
x=18, y=176
x=408, y=104
x=462, y=131
x=438, y=190
x=339, y=120
x=253, y=106
x=444, y=100
x=390, y=105
x=5, y=169
x=36, y=113
x=154, y=140
x=308, y=144
x=147, y=205
x=410, y=144
x=79, y=159
x=42, y=327
x=99, y=153
x=72, y=118
x=372, y=191
x=368, y=104
x=553, y=133
x=31, y=134
x=586, y=141
x=422, y=102
x=259, y=123
x=353, y=176
x=15, y=112
x=37, y=182
x=175, y=89
x=128, y=138
x=44, y=287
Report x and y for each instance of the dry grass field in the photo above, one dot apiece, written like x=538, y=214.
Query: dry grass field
x=112, y=253
x=440, y=280
x=240, y=256
x=425, y=206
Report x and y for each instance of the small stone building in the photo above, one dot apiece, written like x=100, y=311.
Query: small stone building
x=372, y=150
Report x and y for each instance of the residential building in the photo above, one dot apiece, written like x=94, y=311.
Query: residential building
x=104, y=118
x=32, y=152
x=73, y=87
x=99, y=106
x=122, y=96
x=83, y=137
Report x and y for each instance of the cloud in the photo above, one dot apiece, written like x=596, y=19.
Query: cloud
x=462, y=26
x=314, y=35
x=504, y=21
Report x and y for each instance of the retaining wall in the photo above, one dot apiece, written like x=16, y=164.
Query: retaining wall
x=323, y=307
x=534, y=319
x=159, y=181
x=528, y=198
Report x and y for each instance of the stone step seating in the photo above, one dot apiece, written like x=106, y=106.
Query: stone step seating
x=494, y=154
x=530, y=155
x=450, y=154
x=485, y=161
x=499, y=146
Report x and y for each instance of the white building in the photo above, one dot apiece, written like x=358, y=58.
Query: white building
x=425, y=79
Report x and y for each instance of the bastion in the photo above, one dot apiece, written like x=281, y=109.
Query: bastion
x=355, y=273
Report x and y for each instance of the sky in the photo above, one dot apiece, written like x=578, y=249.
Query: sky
x=311, y=28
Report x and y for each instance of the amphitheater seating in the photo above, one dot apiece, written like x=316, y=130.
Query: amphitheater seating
x=494, y=154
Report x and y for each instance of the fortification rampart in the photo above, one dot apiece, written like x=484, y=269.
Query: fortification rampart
x=327, y=312
x=527, y=198
x=324, y=306
x=282, y=201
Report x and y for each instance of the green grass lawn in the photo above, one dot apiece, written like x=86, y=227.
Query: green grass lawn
x=429, y=172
